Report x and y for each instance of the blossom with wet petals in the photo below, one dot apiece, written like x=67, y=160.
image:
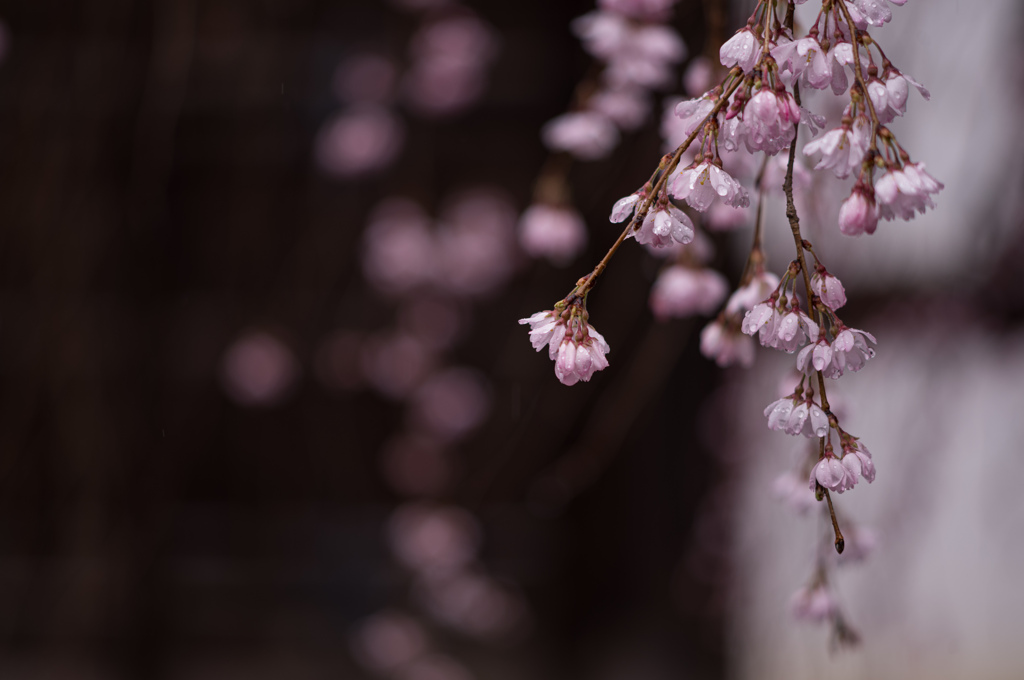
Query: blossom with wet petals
x=828, y=288
x=665, y=226
x=701, y=183
x=743, y=50
x=900, y=192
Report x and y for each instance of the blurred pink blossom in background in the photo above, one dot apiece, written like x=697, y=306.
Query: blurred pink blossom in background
x=258, y=369
x=360, y=141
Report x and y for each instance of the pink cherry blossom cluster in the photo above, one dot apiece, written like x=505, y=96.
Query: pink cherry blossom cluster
x=829, y=349
x=735, y=127
x=762, y=114
x=783, y=325
x=576, y=347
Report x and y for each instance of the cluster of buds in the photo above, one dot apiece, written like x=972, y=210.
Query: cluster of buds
x=576, y=347
x=780, y=323
x=829, y=349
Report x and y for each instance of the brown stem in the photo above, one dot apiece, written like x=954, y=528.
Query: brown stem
x=840, y=542
x=858, y=75
x=794, y=225
x=756, y=256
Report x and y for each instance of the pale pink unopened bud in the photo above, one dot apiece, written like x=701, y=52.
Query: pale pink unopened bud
x=578, y=360
x=858, y=214
x=829, y=289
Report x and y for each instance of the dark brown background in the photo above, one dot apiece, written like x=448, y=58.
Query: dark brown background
x=158, y=196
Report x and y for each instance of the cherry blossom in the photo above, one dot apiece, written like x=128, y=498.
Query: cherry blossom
x=842, y=149
x=857, y=459
x=693, y=112
x=806, y=59
x=858, y=214
x=762, y=319
x=830, y=473
x=576, y=347
x=701, y=183
x=839, y=57
x=624, y=207
x=578, y=359
x=664, y=227
x=902, y=191
x=546, y=328
x=770, y=120
x=778, y=328
x=817, y=356
x=896, y=86
x=779, y=412
x=743, y=50
x=795, y=416
x=850, y=350
x=875, y=12
x=828, y=288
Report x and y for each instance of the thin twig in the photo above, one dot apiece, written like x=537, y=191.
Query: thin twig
x=587, y=283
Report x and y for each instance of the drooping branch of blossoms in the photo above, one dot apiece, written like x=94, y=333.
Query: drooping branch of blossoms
x=757, y=108
x=577, y=348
